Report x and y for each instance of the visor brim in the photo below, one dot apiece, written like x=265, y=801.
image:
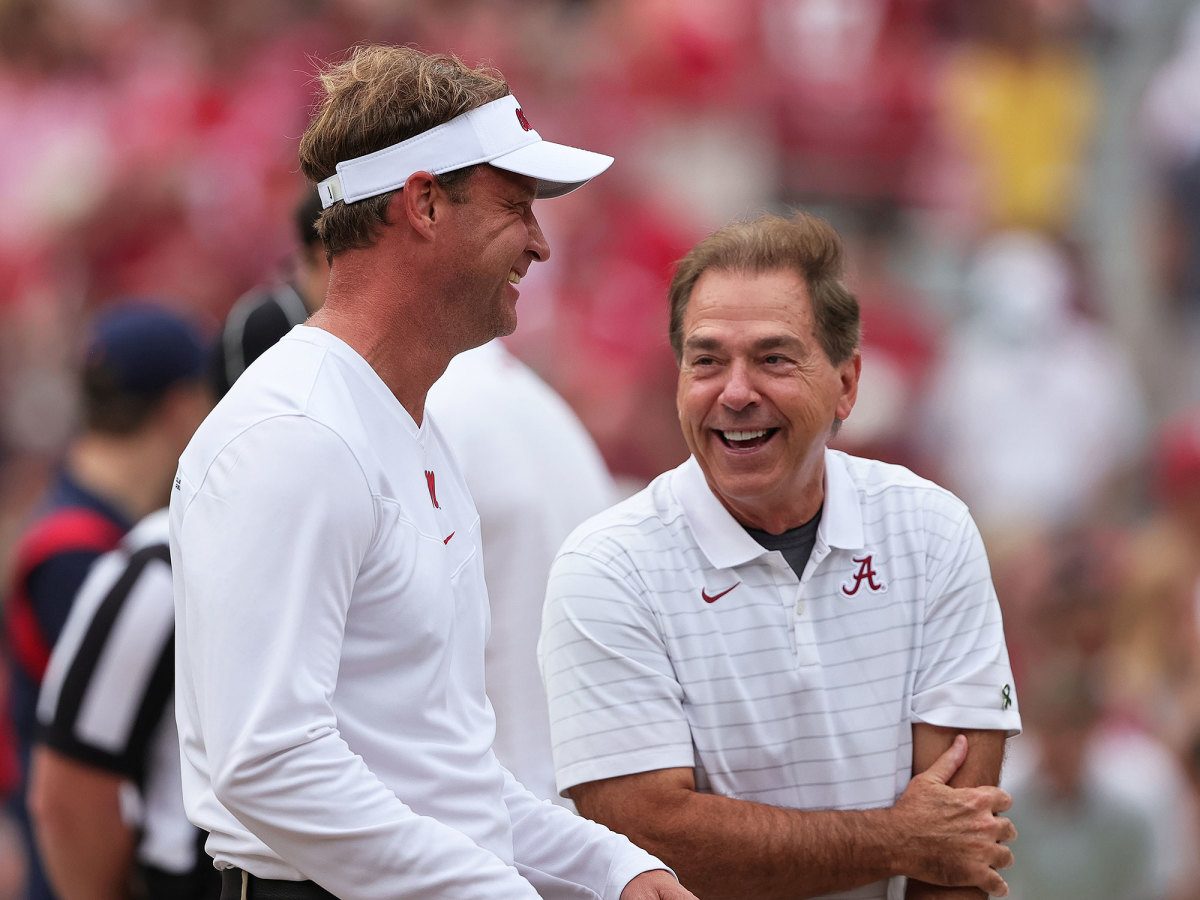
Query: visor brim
x=559, y=169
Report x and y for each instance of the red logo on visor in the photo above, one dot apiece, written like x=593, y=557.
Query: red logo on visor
x=524, y=121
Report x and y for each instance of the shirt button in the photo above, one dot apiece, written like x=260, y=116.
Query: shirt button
x=800, y=608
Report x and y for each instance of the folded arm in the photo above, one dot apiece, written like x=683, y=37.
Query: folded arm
x=981, y=768
x=724, y=847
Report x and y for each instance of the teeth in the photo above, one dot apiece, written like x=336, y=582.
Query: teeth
x=744, y=435
x=513, y=277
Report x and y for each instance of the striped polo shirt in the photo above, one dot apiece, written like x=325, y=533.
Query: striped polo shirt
x=671, y=638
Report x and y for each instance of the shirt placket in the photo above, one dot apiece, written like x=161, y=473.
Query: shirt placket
x=807, y=650
x=793, y=596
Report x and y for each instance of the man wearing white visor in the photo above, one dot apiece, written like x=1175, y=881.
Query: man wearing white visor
x=331, y=612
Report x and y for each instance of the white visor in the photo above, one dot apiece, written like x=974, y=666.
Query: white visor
x=497, y=133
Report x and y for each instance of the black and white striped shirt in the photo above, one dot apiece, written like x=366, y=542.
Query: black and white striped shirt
x=108, y=699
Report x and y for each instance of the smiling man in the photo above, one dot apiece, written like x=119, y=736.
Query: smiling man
x=330, y=607
x=780, y=668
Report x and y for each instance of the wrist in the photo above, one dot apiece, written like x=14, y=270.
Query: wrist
x=889, y=844
x=624, y=872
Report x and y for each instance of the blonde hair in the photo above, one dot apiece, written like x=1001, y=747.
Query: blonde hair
x=378, y=96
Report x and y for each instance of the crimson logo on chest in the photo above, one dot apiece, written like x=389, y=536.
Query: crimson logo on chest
x=432, y=488
x=866, y=574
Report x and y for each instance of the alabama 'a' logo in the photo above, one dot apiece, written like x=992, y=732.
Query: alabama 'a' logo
x=866, y=574
x=524, y=121
x=432, y=488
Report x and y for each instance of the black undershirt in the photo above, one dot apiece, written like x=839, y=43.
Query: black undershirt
x=795, y=544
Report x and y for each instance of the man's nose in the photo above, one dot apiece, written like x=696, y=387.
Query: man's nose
x=738, y=391
x=538, y=245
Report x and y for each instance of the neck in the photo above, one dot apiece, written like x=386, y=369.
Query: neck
x=132, y=474
x=394, y=329
x=774, y=520
x=782, y=510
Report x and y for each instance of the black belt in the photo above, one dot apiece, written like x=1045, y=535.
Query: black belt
x=232, y=882
x=202, y=883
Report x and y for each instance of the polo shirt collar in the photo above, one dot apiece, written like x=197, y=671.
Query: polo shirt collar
x=723, y=540
x=841, y=522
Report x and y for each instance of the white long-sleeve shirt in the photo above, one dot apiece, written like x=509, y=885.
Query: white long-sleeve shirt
x=331, y=617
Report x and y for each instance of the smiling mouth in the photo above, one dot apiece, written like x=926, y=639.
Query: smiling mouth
x=746, y=439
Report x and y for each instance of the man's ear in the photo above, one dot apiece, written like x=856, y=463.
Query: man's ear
x=849, y=373
x=422, y=200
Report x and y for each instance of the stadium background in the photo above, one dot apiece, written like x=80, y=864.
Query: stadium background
x=1018, y=182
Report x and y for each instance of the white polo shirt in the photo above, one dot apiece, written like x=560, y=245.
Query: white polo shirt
x=671, y=638
x=331, y=617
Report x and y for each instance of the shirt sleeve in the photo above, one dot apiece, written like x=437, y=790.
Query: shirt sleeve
x=110, y=677
x=615, y=705
x=559, y=852
x=52, y=586
x=267, y=558
x=964, y=679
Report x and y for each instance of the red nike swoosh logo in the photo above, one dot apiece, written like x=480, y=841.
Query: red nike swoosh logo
x=715, y=597
x=446, y=540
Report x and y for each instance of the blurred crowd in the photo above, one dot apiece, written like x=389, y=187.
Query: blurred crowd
x=1018, y=182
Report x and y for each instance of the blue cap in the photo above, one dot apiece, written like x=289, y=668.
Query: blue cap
x=143, y=349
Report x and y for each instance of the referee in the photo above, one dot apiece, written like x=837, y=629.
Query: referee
x=105, y=789
x=105, y=784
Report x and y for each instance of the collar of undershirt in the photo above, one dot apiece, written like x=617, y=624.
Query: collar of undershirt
x=795, y=544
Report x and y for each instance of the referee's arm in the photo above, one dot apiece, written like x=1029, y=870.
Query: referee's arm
x=85, y=845
x=725, y=847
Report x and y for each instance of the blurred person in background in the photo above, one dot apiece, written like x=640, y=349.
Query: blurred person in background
x=143, y=394
x=1033, y=414
x=1191, y=765
x=1156, y=650
x=1170, y=127
x=1019, y=100
x=851, y=93
x=267, y=312
x=1070, y=614
x=1081, y=838
x=899, y=336
x=534, y=474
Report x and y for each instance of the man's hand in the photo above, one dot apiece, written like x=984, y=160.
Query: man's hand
x=952, y=836
x=657, y=884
